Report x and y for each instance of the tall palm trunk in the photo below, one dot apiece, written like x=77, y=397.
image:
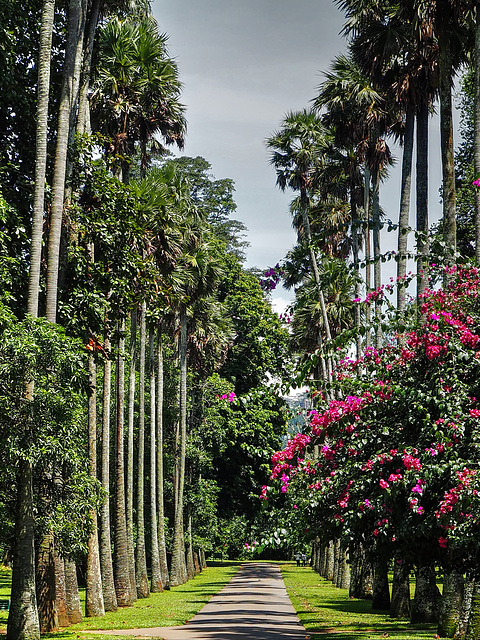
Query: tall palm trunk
x=368, y=255
x=120, y=566
x=109, y=596
x=377, y=265
x=445, y=55
x=451, y=605
x=132, y=383
x=94, y=606
x=476, y=142
x=356, y=267
x=404, y=210
x=422, y=200
x=313, y=259
x=162, y=546
x=74, y=609
x=140, y=554
x=43, y=94
x=178, y=574
x=68, y=96
x=61, y=591
x=23, y=622
x=83, y=103
x=156, y=579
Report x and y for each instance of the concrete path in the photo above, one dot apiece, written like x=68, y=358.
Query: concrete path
x=253, y=606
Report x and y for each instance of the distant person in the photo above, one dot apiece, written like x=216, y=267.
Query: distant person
x=298, y=557
x=304, y=559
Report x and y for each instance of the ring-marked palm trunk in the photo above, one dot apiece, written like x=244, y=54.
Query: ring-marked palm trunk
x=121, y=564
x=162, y=546
x=94, y=606
x=132, y=384
x=403, y=219
x=106, y=565
x=422, y=199
x=140, y=553
x=178, y=574
x=156, y=578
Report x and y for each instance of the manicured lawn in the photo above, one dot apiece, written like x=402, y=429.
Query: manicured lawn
x=170, y=608
x=329, y=614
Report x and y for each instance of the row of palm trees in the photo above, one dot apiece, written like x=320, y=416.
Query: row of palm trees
x=401, y=60
x=139, y=253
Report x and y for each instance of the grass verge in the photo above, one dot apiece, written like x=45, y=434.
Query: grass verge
x=170, y=608
x=328, y=613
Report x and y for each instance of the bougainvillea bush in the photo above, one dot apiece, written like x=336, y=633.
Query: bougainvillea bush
x=393, y=461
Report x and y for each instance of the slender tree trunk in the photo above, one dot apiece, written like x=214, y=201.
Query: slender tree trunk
x=121, y=564
x=132, y=383
x=403, y=220
x=476, y=139
x=344, y=568
x=83, y=102
x=94, y=606
x=43, y=94
x=61, y=591
x=451, y=605
x=74, y=609
x=45, y=579
x=141, y=575
x=444, y=9
x=162, y=546
x=330, y=560
x=473, y=626
x=106, y=565
x=400, y=604
x=69, y=91
x=356, y=268
x=178, y=574
x=156, y=579
x=23, y=621
x=377, y=265
x=426, y=601
x=190, y=563
x=368, y=257
x=423, y=245
x=381, y=592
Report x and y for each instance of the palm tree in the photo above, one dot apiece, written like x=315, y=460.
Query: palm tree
x=296, y=149
x=355, y=110
x=136, y=90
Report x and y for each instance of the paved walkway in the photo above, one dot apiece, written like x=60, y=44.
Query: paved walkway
x=253, y=606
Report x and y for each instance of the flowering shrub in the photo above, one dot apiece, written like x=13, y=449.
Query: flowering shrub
x=393, y=461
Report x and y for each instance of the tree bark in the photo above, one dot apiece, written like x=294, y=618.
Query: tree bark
x=162, y=546
x=400, y=604
x=45, y=579
x=451, y=604
x=476, y=139
x=141, y=575
x=132, y=382
x=61, y=592
x=121, y=564
x=381, y=592
x=23, y=621
x=178, y=573
x=156, y=579
x=423, y=245
x=43, y=94
x=426, y=601
x=106, y=565
x=68, y=96
x=74, y=609
x=403, y=221
x=94, y=606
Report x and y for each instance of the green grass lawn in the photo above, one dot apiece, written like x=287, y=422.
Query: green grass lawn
x=329, y=614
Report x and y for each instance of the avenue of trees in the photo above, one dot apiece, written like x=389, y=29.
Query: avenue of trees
x=137, y=410
x=384, y=474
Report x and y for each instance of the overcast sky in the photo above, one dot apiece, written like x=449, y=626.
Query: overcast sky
x=244, y=65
